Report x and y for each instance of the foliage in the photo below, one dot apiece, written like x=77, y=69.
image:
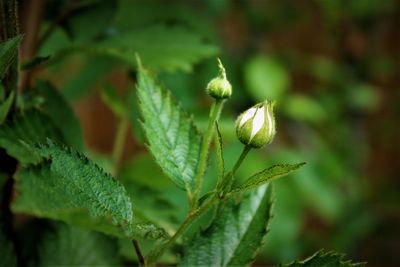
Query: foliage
x=235, y=235
x=174, y=140
x=322, y=258
x=176, y=202
x=71, y=246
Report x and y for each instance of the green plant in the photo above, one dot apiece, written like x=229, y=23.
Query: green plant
x=58, y=179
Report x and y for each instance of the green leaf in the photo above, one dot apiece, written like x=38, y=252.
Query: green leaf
x=62, y=115
x=8, y=257
x=266, y=78
x=113, y=101
x=18, y=136
x=160, y=47
x=8, y=54
x=173, y=138
x=71, y=246
x=267, y=176
x=68, y=180
x=324, y=259
x=236, y=234
x=305, y=108
x=5, y=107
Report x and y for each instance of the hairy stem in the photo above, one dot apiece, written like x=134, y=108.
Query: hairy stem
x=118, y=148
x=214, y=116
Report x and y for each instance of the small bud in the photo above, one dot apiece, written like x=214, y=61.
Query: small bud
x=256, y=126
x=220, y=87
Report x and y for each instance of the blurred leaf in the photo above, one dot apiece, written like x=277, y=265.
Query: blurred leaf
x=324, y=259
x=71, y=246
x=235, y=236
x=89, y=18
x=142, y=13
x=8, y=257
x=8, y=54
x=2, y=92
x=363, y=97
x=5, y=107
x=71, y=182
x=17, y=136
x=57, y=108
x=92, y=70
x=304, y=108
x=265, y=78
x=173, y=138
x=267, y=176
x=35, y=62
x=160, y=47
x=113, y=101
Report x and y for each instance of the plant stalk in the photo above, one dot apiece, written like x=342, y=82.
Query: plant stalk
x=138, y=252
x=119, y=142
x=226, y=183
x=214, y=116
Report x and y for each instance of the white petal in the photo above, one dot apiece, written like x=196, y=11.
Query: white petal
x=258, y=122
x=269, y=117
x=247, y=116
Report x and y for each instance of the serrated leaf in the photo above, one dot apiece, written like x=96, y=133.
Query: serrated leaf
x=160, y=47
x=5, y=107
x=71, y=246
x=235, y=236
x=7, y=252
x=62, y=115
x=324, y=259
x=70, y=181
x=267, y=175
x=8, y=54
x=18, y=135
x=174, y=140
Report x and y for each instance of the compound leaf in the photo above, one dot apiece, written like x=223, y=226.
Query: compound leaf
x=324, y=259
x=267, y=175
x=236, y=234
x=173, y=138
x=71, y=246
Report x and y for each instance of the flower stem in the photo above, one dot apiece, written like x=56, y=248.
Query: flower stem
x=214, y=116
x=226, y=184
x=118, y=147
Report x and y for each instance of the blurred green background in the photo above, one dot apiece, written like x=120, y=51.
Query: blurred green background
x=331, y=65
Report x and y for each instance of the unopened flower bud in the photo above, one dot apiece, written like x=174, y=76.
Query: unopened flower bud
x=219, y=87
x=256, y=126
